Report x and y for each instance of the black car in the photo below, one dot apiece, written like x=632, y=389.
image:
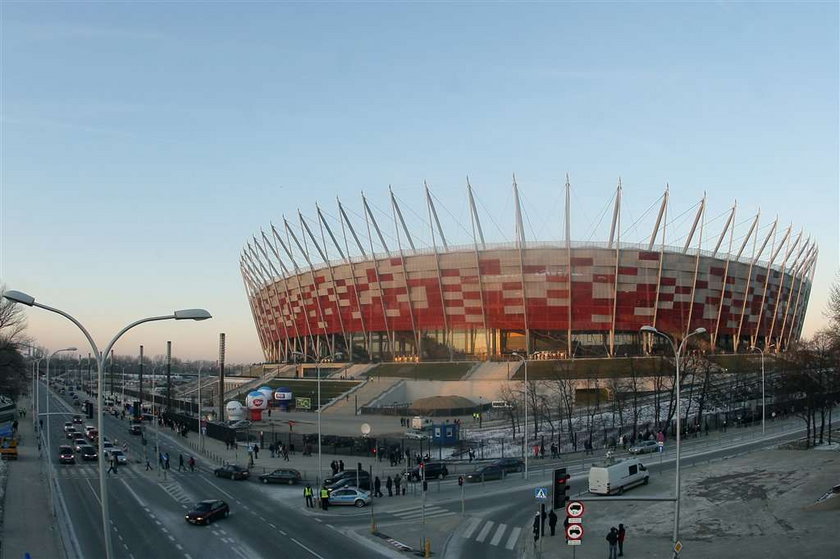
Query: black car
x=362, y=483
x=135, y=430
x=89, y=453
x=281, y=476
x=434, y=470
x=77, y=419
x=510, y=465
x=344, y=475
x=232, y=471
x=206, y=512
x=66, y=455
x=485, y=473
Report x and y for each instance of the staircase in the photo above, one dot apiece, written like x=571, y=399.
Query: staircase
x=363, y=395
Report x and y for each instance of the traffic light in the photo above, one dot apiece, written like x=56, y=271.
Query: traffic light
x=561, y=479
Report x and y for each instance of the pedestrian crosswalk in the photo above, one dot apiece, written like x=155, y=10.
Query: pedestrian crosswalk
x=491, y=532
x=416, y=513
x=91, y=471
x=174, y=489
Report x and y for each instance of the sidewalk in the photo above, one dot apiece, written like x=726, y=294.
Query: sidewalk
x=26, y=504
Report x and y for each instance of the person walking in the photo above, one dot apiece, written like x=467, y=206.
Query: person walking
x=256, y=451
x=389, y=484
x=612, y=539
x=192, y=463
x=181, y=467
x=377, y=486
x=113, y=466
x=341, y=465
x=325, y=498
x=621, y=533
x=307, y=493
x=536, y=528
x=285, y=454
x=334, y=468
x=552, y=521
x=397, y=481
x=148, y=465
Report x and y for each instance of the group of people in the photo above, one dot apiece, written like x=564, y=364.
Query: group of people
x=279, y=449
x=391, y=484
x=615, y=538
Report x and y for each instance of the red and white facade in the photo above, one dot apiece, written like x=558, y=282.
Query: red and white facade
x=484, y=300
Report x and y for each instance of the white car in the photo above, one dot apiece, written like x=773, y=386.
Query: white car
x=119, y=454
x=416, y=434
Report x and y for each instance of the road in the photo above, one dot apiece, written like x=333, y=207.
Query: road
x=147, y=509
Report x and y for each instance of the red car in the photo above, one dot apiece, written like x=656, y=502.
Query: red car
x=206, y=512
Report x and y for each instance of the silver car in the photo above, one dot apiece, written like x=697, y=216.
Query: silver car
x=643, y=447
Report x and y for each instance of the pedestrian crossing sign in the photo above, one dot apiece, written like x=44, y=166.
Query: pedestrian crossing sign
x=541, y=493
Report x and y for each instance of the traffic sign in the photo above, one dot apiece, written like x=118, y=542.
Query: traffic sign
x=678, y=546
x=541, y=493
x=575, y=509
x=574, y=531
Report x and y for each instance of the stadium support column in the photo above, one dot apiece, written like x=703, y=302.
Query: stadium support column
x=430, y=206
x=271, y=282
x=300, y=296
x=798, y=262
x=285, y=277
x=476, y=229
x=663, y=217
x=780, y=292
x=321, y=323
x=701, y=211
x=805, y=275
x=249, y=273
x=747, y=298
x=730, y=226
x=349, y=262
x=397, y=214
x=520, y=244
x=774, y=252
x=222, y=377
x=615, y=234
x=368, y=220
x=568, y=225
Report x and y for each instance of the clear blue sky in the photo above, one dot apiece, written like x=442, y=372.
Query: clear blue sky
x=144, y=143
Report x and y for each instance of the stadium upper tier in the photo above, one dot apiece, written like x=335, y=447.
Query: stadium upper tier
x=552, y=300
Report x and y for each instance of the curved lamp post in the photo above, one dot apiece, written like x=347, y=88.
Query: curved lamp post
x=318, y=371
x=525, y=423
x=763, y=401
x=677, y=352
x=187, y=314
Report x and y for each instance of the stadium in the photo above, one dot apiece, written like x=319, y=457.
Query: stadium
x=327, y=288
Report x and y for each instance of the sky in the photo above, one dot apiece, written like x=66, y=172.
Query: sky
x=143, y=144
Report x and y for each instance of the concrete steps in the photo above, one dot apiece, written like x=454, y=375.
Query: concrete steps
x=363, y=395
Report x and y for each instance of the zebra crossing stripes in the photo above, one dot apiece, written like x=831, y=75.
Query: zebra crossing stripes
x=487, y=527
x=174, y=490
x=90, y=472
x=415, y=513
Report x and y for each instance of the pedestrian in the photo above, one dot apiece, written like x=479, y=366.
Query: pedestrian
x=113, y=465
x=566, y=526
x=271, y=449
x=148, y=465
x=285, y=454
x=389, y=484
x=256, y=451
x=377, y=487
x=334, y=468
x=325, y=498
x=552, y=521
x=307, y=493
x=192, y=463
x=612, y=539
x=181, y=467
x=397, y=481
x=166, y=461
x=536, y=528
x=621, y=533
x=341, y=465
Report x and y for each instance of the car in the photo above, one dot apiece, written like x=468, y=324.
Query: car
x=78, y=443
x=239, y=424
x=89, y=428
x=77, y=419
x=643, y=447
x=107, y=446
x=89, y=453
x=207, y=511
x=135, y=430
x=68, y=426
x=434, y=470
x=485, y=473
x=417, y=435
x=232, y=471
x=510, y=465
x=92, y=434
x=65, y=455
x=119, y=455
x=344, y=475
x=361, y=483
x=282, y=475
x=72, y=434
x=350, y=496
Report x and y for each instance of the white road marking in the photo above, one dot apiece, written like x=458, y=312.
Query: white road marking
x=231, y=497
x=484, y=531
x=471, y=526
x=95, y=496
x=514, y=536
x=318, y=520
x=497, y=537
x=179, y=546
x=240, y=553
x=306, y=548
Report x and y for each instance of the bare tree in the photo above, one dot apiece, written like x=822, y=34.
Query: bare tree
x=12, y=320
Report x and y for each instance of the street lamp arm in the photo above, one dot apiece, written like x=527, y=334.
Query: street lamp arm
x=123, y=331
x=74, y=321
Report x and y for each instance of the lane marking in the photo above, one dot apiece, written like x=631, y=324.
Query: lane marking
x=497, y=537
x=484, y=531
x=231, y=497
x=471, y=526
x=306, y=548
x=92, y=490
x=514, y=536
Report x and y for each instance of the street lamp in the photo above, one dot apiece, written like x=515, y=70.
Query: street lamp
x=525, y=423
x=187, y=314
x=318, y=371
x=763, y=415
x=48, y=441
x=677, y=352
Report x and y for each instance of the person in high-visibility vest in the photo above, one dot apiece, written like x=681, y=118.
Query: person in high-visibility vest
x=307, y=493
x=325, y=498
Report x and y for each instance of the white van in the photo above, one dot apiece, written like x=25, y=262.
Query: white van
x=615, y=477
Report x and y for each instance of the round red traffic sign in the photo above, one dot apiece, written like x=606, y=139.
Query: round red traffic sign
x=574, y=532
x=574, y=509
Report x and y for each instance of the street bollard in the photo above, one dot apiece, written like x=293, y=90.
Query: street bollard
x=427, y=548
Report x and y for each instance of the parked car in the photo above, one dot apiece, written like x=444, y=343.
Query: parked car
x=282, y=475
x=65, y=455
x=643, y=447
x=510, y=465
x=434, y=470
x=232, y=471
x=485, y=473
x=361, y=483
x=135, y=430
x=350, y=496
x=345, y=474
x=416, y=434
x=206, y=512
x=89, y=453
